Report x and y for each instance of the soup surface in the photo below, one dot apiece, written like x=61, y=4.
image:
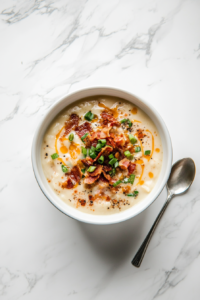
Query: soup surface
x=102, y=155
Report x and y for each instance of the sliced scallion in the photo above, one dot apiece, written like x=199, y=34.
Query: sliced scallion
x=98, y=147
x=91, y=169
x=116, y=183
x=101, y=159
x=132, y=139
x=147, y=152
x=84, y=151
x=103, y=142
x=112, y=161
x=54, y=156
x=127, y=153
x=112, y=172
x=89, y=116
x=137, y=149
x=134, y=194
x=71, y=137
x=116, y=164
x=84, y=136
x=131, y=178
x=64, y=169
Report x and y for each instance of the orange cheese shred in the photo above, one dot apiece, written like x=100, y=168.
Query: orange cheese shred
x=56, y=139
x=113, y=111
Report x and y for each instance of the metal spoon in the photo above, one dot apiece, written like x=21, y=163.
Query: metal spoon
x=180, y=180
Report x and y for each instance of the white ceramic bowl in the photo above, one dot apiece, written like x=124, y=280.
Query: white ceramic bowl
x=89, y=218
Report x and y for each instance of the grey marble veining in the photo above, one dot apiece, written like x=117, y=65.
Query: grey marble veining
x=48, y=49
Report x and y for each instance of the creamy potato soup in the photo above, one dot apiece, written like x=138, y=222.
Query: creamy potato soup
x=102, y=155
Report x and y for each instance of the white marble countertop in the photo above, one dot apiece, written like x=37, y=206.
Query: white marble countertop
x=48, y=49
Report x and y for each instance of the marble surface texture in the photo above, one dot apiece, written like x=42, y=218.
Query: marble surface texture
x=48, y=49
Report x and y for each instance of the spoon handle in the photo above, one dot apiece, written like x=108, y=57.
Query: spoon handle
x=137, y=260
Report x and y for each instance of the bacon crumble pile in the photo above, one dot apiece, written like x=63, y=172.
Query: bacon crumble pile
x=108, y=152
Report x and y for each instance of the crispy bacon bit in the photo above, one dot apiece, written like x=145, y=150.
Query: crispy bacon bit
x=119, y=141
x=103, y=179
x=99, y=195
x=94, y=143
x=83, y=202
x=83, y=129
x=96, y=196
x=107, y=168
x=124, y=163
x=108, y=118
x=88, y=161
x=96, y=172
x=131, y=168
x=74, y=176
x=75, y=173
x=71, y=123
x=104, y=151
x=126, y=189
x=110, y=142
x=68, y=184
x=108, y=198
x=91, y=179
x=140, y=133
x=101, y=134
x=107, y=176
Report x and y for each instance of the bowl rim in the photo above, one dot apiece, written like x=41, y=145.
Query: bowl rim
x=90, y=89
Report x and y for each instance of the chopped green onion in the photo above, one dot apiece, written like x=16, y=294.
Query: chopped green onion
x=127, y=153
x=147, y=152
x=92, y=152
x=83, y=171
x=54, y=156
x=93, y=155
x=137, y=149
x=132, y=139
x=134, y=194
x=93, y=148
x=84, y=136
x=89, y=116
x=116, y=164
x=103, y=142
x=112, y=172
x=129, y=123
x=131, y=178
x=91, y=169
x=84, y=151
x=101, y=159
x=71, y=137
x=64, y=169
x=98, y=147
x=117, y=182
x=112, y=161
x=111, y=156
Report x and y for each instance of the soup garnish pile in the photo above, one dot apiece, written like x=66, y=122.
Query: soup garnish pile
x=102, y=155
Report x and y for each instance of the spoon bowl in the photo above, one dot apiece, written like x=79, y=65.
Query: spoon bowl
x=182, y=176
